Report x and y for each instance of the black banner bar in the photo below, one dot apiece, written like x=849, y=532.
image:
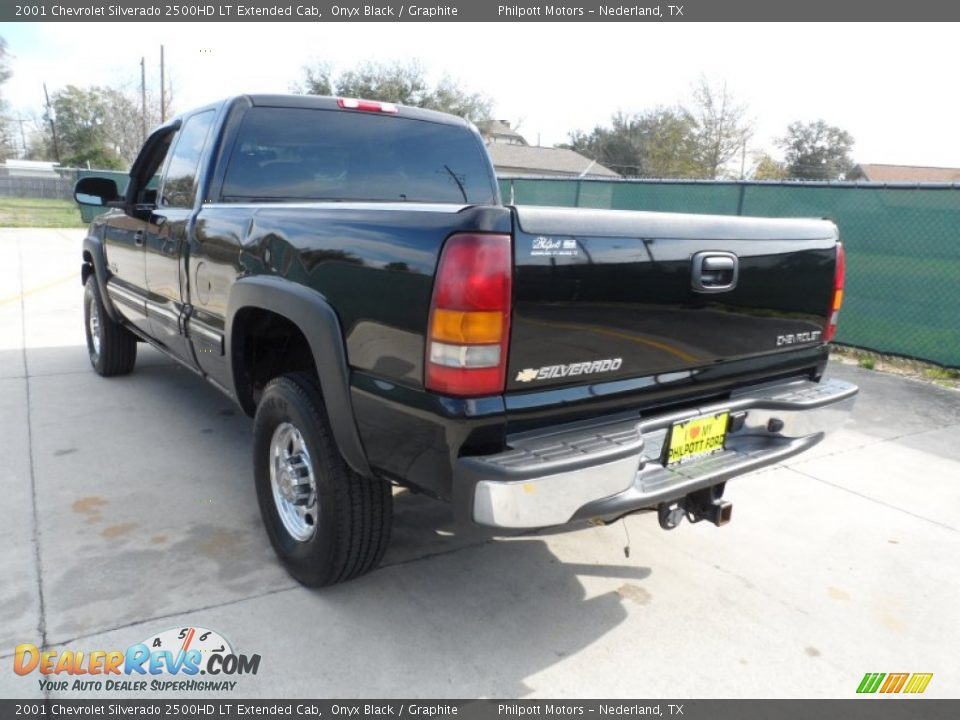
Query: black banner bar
x=874, y=708
x=479, y=11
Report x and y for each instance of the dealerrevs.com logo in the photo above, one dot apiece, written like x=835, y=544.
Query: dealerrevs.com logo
x=172, y=660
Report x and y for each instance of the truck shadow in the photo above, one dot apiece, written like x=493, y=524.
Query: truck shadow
x=481, y=621
x=424, y=527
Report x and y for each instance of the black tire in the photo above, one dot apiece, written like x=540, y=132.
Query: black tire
x=116, y=351
x=353, y=513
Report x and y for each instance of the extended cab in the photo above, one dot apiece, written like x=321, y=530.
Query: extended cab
x=345, y=271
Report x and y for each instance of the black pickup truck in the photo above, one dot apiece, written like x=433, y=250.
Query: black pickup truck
x=345, y=271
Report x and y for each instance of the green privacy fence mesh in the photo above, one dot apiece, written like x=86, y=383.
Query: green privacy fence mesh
x=903, y=245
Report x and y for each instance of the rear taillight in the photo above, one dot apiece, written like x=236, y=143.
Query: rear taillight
x=367, y=105
x=469, y=325
x=836, y=297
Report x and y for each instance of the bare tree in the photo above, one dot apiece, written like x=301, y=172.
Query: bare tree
x=125, y=119
x=38, y=141
x=722, y=127
x=8, y=145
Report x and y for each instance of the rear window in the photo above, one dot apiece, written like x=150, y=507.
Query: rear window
x=299, y=154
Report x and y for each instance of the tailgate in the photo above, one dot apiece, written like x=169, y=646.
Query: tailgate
x=604, y=294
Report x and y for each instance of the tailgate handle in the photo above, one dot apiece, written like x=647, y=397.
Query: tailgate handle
x=714, y=272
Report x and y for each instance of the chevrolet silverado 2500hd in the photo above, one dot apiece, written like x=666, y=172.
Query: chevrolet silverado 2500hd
x=345, y=271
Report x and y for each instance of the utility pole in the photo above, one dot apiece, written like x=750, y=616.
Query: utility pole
x=23, y=135
x=743, y=161
x=163, y=90
x=53, y=125
x=143, y=94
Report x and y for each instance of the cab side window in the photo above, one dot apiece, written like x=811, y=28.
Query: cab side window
x=180, y=182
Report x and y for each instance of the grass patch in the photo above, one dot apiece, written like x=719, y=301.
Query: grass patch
x=939, y=373
x=40, y=213
x=906, y=367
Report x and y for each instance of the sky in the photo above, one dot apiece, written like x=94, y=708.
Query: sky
x=889, y=85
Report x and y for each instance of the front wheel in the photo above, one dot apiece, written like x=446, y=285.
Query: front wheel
x=326, y=522
x=111, y=347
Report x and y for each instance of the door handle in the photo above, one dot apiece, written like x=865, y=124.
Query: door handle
x=714, y=272
x=718, y=263
x=138, y=238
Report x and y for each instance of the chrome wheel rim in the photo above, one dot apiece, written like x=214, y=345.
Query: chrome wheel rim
x=293, y=482
x=94, y=324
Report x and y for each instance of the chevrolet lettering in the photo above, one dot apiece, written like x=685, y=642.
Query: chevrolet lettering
x=800, y=337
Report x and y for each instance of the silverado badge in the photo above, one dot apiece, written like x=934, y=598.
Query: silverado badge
x=548, y=372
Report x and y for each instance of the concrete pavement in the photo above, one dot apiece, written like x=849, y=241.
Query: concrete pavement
x=128, y=509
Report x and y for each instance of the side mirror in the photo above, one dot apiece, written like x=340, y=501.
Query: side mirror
x=96, y=191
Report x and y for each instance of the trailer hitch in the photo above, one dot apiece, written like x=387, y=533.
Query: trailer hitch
x=706, y=504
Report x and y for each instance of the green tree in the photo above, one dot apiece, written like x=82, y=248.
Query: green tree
x=449, y=97
x=83, y=119
x=669, y=143
x=101, y=125
x=317, y=80
x=722, y=127
x=612, y=146
x=817, y=151
x=397, y=83
x=404, y=84
x=766, y=168
x=656, y=143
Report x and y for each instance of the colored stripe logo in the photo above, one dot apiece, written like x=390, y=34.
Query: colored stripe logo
x=887, y=683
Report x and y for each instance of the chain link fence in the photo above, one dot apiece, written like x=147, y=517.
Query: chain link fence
x=902, y=291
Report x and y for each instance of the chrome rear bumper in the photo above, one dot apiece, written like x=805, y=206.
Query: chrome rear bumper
x=605, y=470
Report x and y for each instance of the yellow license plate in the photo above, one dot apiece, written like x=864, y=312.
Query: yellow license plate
x=698, y=437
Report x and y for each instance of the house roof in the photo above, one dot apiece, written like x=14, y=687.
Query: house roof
x=500, y=128
x=29, y=168
x=909, y=173
x=544, y=160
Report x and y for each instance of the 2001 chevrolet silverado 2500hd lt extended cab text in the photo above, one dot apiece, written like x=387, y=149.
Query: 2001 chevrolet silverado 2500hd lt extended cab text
x=345, y=270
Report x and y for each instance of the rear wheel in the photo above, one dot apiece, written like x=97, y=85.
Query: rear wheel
x=326, y=522
x=111, y=347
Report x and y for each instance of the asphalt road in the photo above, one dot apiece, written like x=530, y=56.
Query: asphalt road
x=128, y=509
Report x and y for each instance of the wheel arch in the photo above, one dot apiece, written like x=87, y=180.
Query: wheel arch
x=95, y=263
x=308, y=311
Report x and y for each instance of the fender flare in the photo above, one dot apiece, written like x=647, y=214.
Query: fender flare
x=311, y=313
x=94, y=247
